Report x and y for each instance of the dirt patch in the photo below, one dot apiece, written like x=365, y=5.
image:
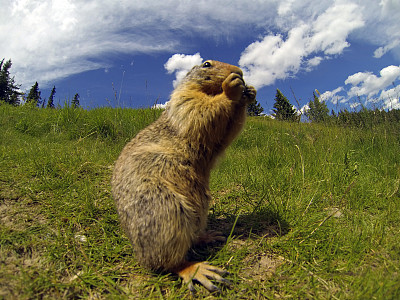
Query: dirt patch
x=261, y=266
x=18, y=252
x=17, y=212
x=14, y=263
x=257, y=266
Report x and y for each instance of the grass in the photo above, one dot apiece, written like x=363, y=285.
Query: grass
x=311, y=211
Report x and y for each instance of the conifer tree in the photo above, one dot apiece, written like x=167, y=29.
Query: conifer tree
x=50, y=102
x=75, y=101
x=283, y=110
x=254, y=109
x=34, y=95
x=317, y=111
x=9, y=91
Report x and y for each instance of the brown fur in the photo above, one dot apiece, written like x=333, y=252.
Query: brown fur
x=161, y=179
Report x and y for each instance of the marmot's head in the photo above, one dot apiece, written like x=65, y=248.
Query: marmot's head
x=208, y=76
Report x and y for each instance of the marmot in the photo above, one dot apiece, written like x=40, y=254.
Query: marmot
x=161, y=179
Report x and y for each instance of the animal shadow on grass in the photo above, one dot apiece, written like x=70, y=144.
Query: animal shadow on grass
x=260, y=223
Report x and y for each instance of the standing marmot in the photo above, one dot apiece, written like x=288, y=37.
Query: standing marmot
x=161, y=179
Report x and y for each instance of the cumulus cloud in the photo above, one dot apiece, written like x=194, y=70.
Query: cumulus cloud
x=378, y=90
x=368, y=84
x=275, y=57
x=390, y=98
x=180, y=64
x=381, y=90
x=333, y=96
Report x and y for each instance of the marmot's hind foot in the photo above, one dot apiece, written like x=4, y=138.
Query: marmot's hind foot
x=203, y=273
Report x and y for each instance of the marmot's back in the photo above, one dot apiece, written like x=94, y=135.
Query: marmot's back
x=160, y=181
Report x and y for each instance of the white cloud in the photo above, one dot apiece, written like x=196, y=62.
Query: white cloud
x=381, y=51
x=331, y=29
x=390, y=98
x=368, y=84
x=333, y=96
x=275, y=58
x=304, y=108
x=381, y=91
x=354, y=105
x=48, y=40
x=160, y=105
x=181, y=64
x=313, y=62
x=285, y=7
x=358, y=77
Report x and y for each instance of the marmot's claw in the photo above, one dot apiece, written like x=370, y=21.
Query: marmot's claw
x=191, y=287
x=250, y=93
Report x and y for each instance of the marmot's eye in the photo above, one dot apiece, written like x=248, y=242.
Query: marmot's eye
x=207, y=64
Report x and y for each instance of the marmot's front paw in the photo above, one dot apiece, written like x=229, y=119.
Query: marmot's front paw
x=233, y=86
x=249, y=94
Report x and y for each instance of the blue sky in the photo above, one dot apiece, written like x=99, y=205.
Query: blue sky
x=129, y=53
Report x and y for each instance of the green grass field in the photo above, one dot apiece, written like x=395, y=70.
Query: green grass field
x=312, y=211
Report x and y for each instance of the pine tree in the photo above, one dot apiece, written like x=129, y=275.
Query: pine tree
x=9, y=91
x=75, y=101
x=50, y=102
x=254, y=109
x=34, y=95
x=283, y=110
x=317, y=111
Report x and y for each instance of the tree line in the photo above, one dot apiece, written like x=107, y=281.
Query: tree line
x=10, y=91
x=283, y=110
x=318, y=112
